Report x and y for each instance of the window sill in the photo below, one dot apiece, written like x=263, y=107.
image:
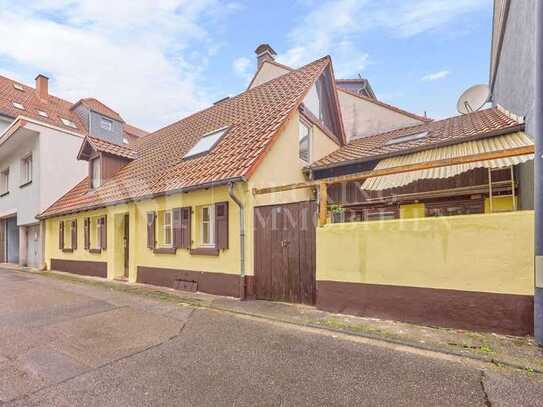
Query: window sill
x=205, y=251
x=95, y=251
x=25, y=184
x=67, y=250
x=165, y=250
x=4, y=194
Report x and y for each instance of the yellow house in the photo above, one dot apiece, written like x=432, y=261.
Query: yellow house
x=177, y=208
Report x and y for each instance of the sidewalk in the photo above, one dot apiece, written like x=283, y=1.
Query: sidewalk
x=500, y=350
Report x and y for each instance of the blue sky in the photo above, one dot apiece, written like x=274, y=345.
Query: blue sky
x=156, y=61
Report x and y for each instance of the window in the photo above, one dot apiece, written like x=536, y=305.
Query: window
x=164, y=228
x=68, y=244
x=68, y=123
x=18, y=86
x=125, y=140
x=106, y=124
x=304, y=142
x=207, y=225
x=206, y=143
x=26, y=170
x=42, y=113
x=96, y=175
x=4, y=182
x=18, y=105
x=405, y=139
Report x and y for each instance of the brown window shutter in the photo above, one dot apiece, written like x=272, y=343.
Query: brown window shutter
x=61, y=235
x=176, y=225
x=185, y=235
x=221, y=225
x=151, y=238
x=74, y=234
x=86, y=234
x=103, y=232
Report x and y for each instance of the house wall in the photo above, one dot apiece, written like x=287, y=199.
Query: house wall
x=266, y=73
x=472, y=272
x=362, y=118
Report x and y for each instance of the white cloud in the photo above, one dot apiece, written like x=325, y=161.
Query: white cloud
x=333, y=27
x=142, y=58
x=241, y=66
x=436, y=76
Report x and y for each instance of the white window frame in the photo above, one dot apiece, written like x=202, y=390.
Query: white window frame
x=211, y=225
x=26, y=169
x=4, y=181
x=304, y=124
x=68, y=123
x=167, y=228
x=96, y=180
x=43, y=113
x=106, y=124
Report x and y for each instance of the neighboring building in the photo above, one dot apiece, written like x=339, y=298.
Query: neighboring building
x=512, y=69
x=40, y=136
x=177, y=209
x=362, y=114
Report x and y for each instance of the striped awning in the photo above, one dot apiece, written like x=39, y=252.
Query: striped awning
x=487, y=145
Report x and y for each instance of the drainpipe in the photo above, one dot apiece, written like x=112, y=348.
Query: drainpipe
x=242, y=293
x=538, y=176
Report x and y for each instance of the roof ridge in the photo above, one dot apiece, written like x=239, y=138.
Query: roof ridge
x=385, y=105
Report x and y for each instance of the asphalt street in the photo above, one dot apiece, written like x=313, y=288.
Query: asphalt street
x=64, y=344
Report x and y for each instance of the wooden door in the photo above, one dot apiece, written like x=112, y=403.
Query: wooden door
x=126, y=243
x=285, y=252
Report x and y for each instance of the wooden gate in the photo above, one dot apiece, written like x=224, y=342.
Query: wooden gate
x=285, y=252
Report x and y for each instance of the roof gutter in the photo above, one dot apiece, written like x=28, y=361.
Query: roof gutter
x=143, y=197
x=494, y=133
x=242, y=290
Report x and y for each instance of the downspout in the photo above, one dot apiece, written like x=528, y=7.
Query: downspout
x=242, y=290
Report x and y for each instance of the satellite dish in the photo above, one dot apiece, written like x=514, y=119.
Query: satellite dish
x=473, y=99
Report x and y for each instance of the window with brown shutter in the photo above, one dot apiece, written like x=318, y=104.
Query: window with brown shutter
x=185, y=235
x=151, y=239
x=86, y=235
x=74, y=234
x=103, y=232
x=221, y=225
x=61, y=235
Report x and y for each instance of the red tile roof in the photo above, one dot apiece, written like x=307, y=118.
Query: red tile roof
x=254, y=118
x=97, y=106
x=111, y=148
x=383, y=104
x=453, y=130
x=54, y=107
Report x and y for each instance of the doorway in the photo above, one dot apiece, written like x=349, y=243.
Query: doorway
x=126, y=244
x=285, y=240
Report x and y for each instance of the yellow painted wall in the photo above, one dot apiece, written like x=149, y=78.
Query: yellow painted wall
x=499, y=204
x=487, y=253
x=412, y=211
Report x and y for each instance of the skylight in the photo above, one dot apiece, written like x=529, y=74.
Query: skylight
x=206, y=143
x=42, y=113
x=18, y=86
x=405, y=139
x=18, y=105
x=68, y=123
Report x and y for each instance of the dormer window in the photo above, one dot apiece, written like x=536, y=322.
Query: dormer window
x=42, y=113
x=106, y=124
x=96, y=175
x=405, y=139
x=68, y=123
x=18, y=105
x=206, y=143
x=18, y=86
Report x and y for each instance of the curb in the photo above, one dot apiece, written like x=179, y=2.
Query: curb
x=418, y=346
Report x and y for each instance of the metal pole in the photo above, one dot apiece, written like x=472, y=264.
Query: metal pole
x=538, y=174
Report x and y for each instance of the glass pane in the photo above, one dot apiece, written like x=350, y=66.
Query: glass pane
x=205, y=214
x=205, y=143
x=303, y=139
x=205, y=233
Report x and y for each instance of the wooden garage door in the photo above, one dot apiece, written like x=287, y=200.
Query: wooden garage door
x=285, y=252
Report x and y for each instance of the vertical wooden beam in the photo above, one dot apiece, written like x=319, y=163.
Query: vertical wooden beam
x=323, y=204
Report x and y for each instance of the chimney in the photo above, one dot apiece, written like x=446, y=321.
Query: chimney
x=42, y=86
x=264, y=53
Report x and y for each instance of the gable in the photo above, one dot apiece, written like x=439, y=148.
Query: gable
x=363, y=118
x=267, y=72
